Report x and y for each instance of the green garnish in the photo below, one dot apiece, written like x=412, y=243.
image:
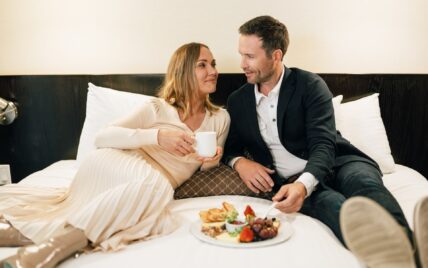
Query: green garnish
x=231, y=215
x=236, y=232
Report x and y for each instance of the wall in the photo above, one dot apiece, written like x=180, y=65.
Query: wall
x=138, y=36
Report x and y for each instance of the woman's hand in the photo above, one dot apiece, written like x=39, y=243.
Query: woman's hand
x=216, y=157
x=175, y=142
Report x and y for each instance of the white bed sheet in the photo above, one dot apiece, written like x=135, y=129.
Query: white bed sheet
x=312, y=244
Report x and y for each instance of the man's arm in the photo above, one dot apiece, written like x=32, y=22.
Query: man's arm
x=321, y=146
x=309, y=181
x=320, y=129
x=253, y=174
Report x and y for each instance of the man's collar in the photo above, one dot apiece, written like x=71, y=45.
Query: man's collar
x=274, y=91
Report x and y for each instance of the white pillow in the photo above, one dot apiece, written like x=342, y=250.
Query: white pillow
x=336, y=106
x=104, y=105
x=360, y=122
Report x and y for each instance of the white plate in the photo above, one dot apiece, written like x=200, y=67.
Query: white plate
x=284, y=233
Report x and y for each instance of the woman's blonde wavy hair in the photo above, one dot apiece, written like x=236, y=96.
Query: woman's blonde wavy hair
x=180, y=80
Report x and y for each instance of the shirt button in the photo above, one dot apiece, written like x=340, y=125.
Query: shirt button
x=271, y=106
x=274, y=120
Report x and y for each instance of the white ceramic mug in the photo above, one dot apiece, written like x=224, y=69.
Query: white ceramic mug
x=5, y=174
x=206, y=143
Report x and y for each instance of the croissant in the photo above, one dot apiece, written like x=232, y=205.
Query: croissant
x=228, y=207
x=213, y=215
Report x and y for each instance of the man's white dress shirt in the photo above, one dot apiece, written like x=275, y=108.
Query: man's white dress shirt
x=286, y=164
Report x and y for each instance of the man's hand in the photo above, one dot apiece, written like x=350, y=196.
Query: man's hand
x=290, y=197
x=254, y=175
x=175, y=142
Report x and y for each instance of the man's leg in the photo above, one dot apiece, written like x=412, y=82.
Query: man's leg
x=324, y=205
x=362, y=179
x=372, y=222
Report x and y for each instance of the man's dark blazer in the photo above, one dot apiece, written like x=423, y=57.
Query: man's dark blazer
x=306, y=126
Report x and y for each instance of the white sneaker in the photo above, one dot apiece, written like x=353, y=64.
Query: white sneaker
x=374, y=236
x=420, y=218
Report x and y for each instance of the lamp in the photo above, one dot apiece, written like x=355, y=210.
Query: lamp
x=8, y=112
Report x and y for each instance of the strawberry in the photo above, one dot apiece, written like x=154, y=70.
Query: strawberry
x=249, y=211
x=246, y=235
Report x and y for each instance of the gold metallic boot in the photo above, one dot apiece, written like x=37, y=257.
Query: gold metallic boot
x=10, y=237
x=49, y=253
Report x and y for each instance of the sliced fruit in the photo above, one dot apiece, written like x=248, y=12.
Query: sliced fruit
x=246, y=235
x=249, y=211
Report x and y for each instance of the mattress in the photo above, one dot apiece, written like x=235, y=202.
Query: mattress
x=312, y=244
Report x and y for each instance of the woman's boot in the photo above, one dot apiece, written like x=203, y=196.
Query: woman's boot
x=49, y=253
x=10, y=237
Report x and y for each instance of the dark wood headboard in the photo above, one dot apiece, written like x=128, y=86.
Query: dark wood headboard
x=52, y=112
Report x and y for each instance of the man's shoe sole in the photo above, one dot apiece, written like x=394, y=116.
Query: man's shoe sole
x=374, y=236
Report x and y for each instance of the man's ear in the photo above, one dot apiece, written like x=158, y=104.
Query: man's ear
x=277, y=55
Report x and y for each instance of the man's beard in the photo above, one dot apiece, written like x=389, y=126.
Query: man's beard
x=261, y=79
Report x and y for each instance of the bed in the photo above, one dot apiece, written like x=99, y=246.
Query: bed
x=312, y=244
x=181, y=249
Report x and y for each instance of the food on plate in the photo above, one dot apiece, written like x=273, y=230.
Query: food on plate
x=213, y=215
x=226, y=237
x=213, y=229
x=249, y=211
x=231, y=212
x=247, y=235
x=213, y=219
x=224, y=224
x=228, y=206
x=264, y=228
x=235, y=225
x=218, y=214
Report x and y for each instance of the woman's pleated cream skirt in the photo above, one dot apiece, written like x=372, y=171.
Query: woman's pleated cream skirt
x=116, y=197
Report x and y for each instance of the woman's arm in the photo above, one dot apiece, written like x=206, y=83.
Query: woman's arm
x=131, y=132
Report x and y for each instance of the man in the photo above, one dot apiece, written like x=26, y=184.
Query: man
x=284, y=119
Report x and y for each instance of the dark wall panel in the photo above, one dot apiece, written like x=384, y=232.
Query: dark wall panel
x=52, y=112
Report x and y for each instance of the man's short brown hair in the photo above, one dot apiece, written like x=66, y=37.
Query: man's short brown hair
x=273, y=33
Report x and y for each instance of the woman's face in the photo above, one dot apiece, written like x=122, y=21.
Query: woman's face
x=206, y=73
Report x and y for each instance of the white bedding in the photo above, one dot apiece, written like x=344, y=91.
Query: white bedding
x=312, y=244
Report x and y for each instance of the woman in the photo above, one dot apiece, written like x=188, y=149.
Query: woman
x=119, y=196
